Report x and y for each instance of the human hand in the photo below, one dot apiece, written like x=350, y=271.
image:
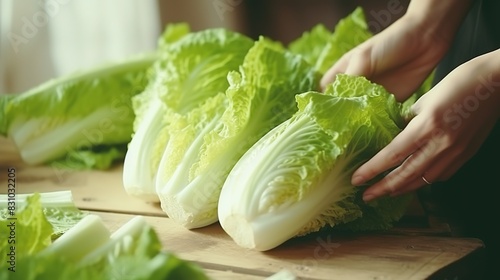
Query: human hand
x=399, y=58
x=451, y=122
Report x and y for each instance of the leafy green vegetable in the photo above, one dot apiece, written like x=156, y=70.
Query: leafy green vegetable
x=97, y=157
x=28, y=231
x=323, y=48
x=4, y=100
x=206, y=143
x=296, y=179
x=58, y=208
x=312, y=43
x=172, y=33
x=87, y=250
x=75, y=112
x=192, y=68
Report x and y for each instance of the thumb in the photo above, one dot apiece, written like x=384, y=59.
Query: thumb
x=339, y=67
x=358, y=66
x=353, y=63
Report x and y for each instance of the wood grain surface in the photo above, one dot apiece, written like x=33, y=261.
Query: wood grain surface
x=412, y=250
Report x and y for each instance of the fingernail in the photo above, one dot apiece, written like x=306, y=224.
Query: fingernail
x=357, y=180
x=368, y=197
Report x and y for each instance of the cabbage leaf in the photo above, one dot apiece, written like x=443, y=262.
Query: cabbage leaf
x=322, y=48
x=296, y=179
x=209, y=142
x=86, y=249
x=191, y=69
x=75, y=112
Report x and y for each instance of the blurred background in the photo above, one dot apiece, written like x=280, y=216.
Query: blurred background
x=44, y=39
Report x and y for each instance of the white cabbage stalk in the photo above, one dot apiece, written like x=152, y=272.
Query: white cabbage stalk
x=192, y=69
x=75, y=112
x=206, y=143
x=260, y=97
x=296, y=179
x=139, y=178
x=70, y=243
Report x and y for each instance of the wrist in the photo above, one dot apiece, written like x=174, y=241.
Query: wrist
x=489, y=77
x=438, y=19
x=483, y=74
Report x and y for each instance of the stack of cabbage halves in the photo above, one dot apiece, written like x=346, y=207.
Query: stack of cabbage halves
x=234, y=130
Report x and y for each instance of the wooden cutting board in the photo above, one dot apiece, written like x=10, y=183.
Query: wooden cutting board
x=412, y=250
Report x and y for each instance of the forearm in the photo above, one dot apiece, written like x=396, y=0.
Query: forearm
x=473, y=88
x=486, y=69
x=439, y=18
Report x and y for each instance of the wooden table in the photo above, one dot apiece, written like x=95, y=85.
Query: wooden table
x=419, y=247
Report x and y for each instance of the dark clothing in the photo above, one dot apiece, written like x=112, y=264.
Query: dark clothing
x=479, y=34
x=472, y=196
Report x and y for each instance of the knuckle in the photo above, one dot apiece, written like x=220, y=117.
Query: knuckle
x=395, y=158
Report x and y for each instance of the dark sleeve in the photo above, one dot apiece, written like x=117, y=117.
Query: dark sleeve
x=471, y=197
x=478, y=34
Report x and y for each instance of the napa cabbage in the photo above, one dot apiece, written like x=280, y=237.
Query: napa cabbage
x=322, y=47
x=32, y=247
x=296, y=179
x=192, y=68
x=76, y=117
x=207, y=142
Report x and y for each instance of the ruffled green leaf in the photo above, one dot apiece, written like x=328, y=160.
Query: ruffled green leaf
x=260, y=96
x=296, y=179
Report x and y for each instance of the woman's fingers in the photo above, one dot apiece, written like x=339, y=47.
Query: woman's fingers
x=337, y=68
x=360, y=61
x=408, y=174
x=394, y=154
x=419, y=150
x=356, y=62
x=437, y=156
